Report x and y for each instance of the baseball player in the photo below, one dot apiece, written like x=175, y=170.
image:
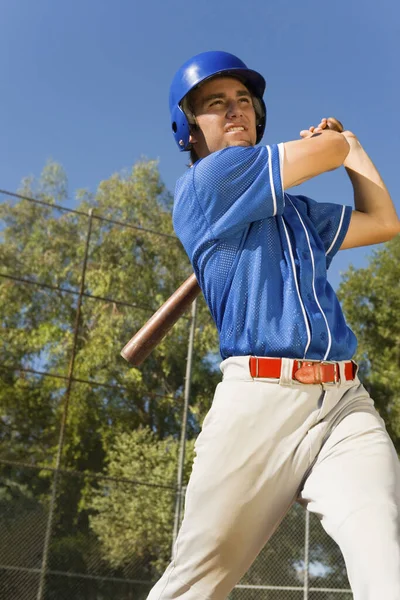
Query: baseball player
x=290, y=420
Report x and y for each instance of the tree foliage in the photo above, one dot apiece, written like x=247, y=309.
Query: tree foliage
x=371, y=302
x=134, y=264
x=131, y=270
x=133, y=521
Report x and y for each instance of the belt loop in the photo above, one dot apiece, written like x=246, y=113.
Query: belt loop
x=342, y=375
x=287, y=372
x=337, y=375
x=257, y=366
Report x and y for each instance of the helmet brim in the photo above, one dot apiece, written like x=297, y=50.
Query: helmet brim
x=251, y=79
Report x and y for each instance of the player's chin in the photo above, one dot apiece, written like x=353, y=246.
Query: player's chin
x=243, y=143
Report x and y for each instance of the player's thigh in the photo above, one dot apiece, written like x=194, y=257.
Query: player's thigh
x=252, y=452
x=244, y=479
x=354, y=487
x=356, y=466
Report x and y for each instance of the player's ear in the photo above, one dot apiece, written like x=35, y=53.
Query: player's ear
x=192, y=139
x=194, y=135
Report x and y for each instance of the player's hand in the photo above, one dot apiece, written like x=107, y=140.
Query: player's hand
x=351, y=138
x=306, y=133
x=324, y=124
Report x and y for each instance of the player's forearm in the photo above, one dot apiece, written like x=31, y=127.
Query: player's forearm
x=309, y=157
x=370, y=193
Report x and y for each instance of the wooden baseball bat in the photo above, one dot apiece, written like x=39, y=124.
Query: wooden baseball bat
x=155, y=329
x=150, y=335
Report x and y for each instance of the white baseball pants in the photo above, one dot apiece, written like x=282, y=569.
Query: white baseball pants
x=266, y=443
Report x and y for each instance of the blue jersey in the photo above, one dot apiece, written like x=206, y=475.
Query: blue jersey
x=261, y=256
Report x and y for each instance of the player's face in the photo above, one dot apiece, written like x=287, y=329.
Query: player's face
x=225, y=115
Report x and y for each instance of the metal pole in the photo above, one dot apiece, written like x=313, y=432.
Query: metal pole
x=61, y=437
x=307, y=556
x=182, y=447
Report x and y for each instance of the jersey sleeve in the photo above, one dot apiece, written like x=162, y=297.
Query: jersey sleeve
x=331, y=222
x=237, y=186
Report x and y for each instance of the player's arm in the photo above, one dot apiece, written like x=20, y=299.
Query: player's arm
x=374, y=219
x=313, y=155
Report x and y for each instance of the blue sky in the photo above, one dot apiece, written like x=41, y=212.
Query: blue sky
x=86, y=82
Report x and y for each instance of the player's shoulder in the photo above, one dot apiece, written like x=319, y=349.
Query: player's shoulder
x=223, y=169
x=184, y=180
x=231, y=156
x=228, y=164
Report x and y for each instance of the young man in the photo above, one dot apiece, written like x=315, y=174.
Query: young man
x=290, y=420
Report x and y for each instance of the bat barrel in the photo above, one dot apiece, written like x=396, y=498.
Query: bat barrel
x=150, y=335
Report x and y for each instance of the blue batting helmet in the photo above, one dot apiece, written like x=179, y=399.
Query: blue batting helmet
x=198, y=69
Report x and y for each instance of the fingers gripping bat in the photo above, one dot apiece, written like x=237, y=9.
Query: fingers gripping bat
x=155, y=329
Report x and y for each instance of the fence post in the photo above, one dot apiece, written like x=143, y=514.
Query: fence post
x=306, y=556
x=182, y=446
x=61, y=437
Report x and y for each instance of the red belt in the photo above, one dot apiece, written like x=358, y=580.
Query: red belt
x=304, y=371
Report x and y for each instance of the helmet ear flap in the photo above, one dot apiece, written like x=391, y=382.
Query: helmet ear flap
x=180, y=128
x=260, y=113
x=261, y=116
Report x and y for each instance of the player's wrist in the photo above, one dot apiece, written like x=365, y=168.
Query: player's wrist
x=356, y=152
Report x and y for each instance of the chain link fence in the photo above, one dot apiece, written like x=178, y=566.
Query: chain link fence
x=53, y=545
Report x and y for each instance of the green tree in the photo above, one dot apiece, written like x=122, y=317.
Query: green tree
x=134, y=521
x=131, y=270
x=371, y=302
